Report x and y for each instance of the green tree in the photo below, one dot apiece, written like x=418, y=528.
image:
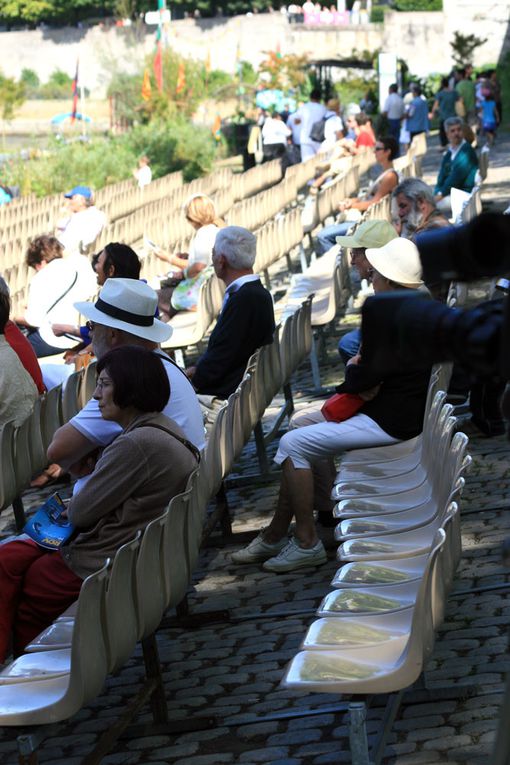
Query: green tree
x=418, y=5
x=12, y=95
x=25, y=10
x=463, y=47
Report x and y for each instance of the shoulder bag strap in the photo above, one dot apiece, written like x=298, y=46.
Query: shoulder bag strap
x=164, y=357
x=193, y=449
x=52, y=306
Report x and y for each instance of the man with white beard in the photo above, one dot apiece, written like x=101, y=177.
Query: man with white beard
x=415, y=207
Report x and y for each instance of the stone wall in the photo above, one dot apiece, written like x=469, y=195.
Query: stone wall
x=422, y=39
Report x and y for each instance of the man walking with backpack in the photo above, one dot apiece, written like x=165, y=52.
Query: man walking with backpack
x=306, y=116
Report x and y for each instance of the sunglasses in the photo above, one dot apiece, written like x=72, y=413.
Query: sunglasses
x=379, y=148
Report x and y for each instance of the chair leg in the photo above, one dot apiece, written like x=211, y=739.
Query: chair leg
x=19, y=512
x=261, y=448
x=302, y=257
x=158, y=703
x=314, y=363
x=225, y=519
x=358, y=733
x=267, y=280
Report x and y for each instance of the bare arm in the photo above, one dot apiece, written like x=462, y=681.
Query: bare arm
x=386, y=186
x=69, y=446
x=194, y=269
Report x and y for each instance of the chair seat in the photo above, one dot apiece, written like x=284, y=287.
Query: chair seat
x=58, y=635
x=38, y=702
x=374, y=574
x=356, y=632
x=186, y=330
x=383, y=453
x=387, y=523
x=36, y=666
x=355, y=671
x=405, y=545
x=382, y=486
x=369, y=600
x=390, y=503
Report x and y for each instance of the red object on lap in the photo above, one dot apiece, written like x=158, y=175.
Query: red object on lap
x=341, y=406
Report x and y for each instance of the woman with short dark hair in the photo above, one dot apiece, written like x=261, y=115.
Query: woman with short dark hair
x=133, y=481
x=57, y=284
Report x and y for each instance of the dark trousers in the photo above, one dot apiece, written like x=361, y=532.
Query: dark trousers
x=40, y=346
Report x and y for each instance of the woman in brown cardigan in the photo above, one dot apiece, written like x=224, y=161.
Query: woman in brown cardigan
x=132, y=483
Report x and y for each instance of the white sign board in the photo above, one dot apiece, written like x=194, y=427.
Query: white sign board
x=387, y=75
x=157, y=17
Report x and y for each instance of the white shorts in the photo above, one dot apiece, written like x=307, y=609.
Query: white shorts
x=306, y=443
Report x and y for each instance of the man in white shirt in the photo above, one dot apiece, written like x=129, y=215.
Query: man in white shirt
x=84, y=224
x=306, y=116
x=124, y=315
x=393, y=110
x=143, y=173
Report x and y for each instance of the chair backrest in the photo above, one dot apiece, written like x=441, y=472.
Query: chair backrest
x=51, y=414
x=120, y=605
x=89, y=662
x=181, y=543
x=37, y=447
x=7, y=473
x=150, y=578
x=88, y=385
x=426, y=608
x=71, y=399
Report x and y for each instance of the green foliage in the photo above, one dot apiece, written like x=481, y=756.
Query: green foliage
x=377, y=14
x=31, y=82
x=125, y=89
x=353, y=88
x=58, y=86
x=463, y=47
x=24, y=10
x=171, y=145
x=12, y=95
x=418, y=5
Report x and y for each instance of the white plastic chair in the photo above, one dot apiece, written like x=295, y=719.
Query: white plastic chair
x=394, y=665
x=43, y=688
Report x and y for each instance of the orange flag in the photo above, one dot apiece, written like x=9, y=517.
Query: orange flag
x=181, y=79
x=146, y=86
x=158, y=66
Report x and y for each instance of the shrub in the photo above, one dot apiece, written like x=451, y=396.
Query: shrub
x=170, y=145
x=419, y=5
x=377, y=14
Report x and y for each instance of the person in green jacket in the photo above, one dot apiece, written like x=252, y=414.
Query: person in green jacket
x=458, y=166
x=466, y=90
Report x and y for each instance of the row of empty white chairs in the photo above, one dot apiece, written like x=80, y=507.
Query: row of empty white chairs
x=400, y=545
x=66, y=666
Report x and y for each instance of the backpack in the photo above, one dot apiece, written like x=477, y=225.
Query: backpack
x=317, y=131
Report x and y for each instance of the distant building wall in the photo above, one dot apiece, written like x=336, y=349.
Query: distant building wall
x=421, y=39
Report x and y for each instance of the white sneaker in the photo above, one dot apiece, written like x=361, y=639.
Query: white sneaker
x=258, y=550
x=293, y=556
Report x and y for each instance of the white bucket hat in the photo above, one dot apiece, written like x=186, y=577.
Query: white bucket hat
x=129, y=305
x=398, y=261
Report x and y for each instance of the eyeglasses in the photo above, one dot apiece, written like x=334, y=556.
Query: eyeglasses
x=103, y=382
x=378, y=148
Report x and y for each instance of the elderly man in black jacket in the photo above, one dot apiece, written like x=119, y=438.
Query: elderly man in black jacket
x=246, y=321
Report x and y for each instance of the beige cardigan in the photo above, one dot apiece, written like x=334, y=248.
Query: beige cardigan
x=133, y=481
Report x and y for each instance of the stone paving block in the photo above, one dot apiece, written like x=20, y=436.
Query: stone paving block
x=427, y=734
x=295, y=737
x=447, y=742
x=201, y=735
x=311, y=722
x=207, y=759
x=257, y=729
x=419, y=722
x=439, y=707
x=175, y=750
x=261, y=755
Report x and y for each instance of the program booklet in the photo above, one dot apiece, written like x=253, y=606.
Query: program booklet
x=47, y=527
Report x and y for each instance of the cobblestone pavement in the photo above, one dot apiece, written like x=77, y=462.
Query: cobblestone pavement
x=232, y=669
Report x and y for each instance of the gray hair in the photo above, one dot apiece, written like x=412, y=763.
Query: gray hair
x=451, y=121
x=416, y=190
x=237, y=245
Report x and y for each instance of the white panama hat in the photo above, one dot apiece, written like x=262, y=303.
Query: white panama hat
x=129, y=305
x=398, y=261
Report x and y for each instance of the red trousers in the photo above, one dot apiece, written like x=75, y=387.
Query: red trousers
x=36, y=586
